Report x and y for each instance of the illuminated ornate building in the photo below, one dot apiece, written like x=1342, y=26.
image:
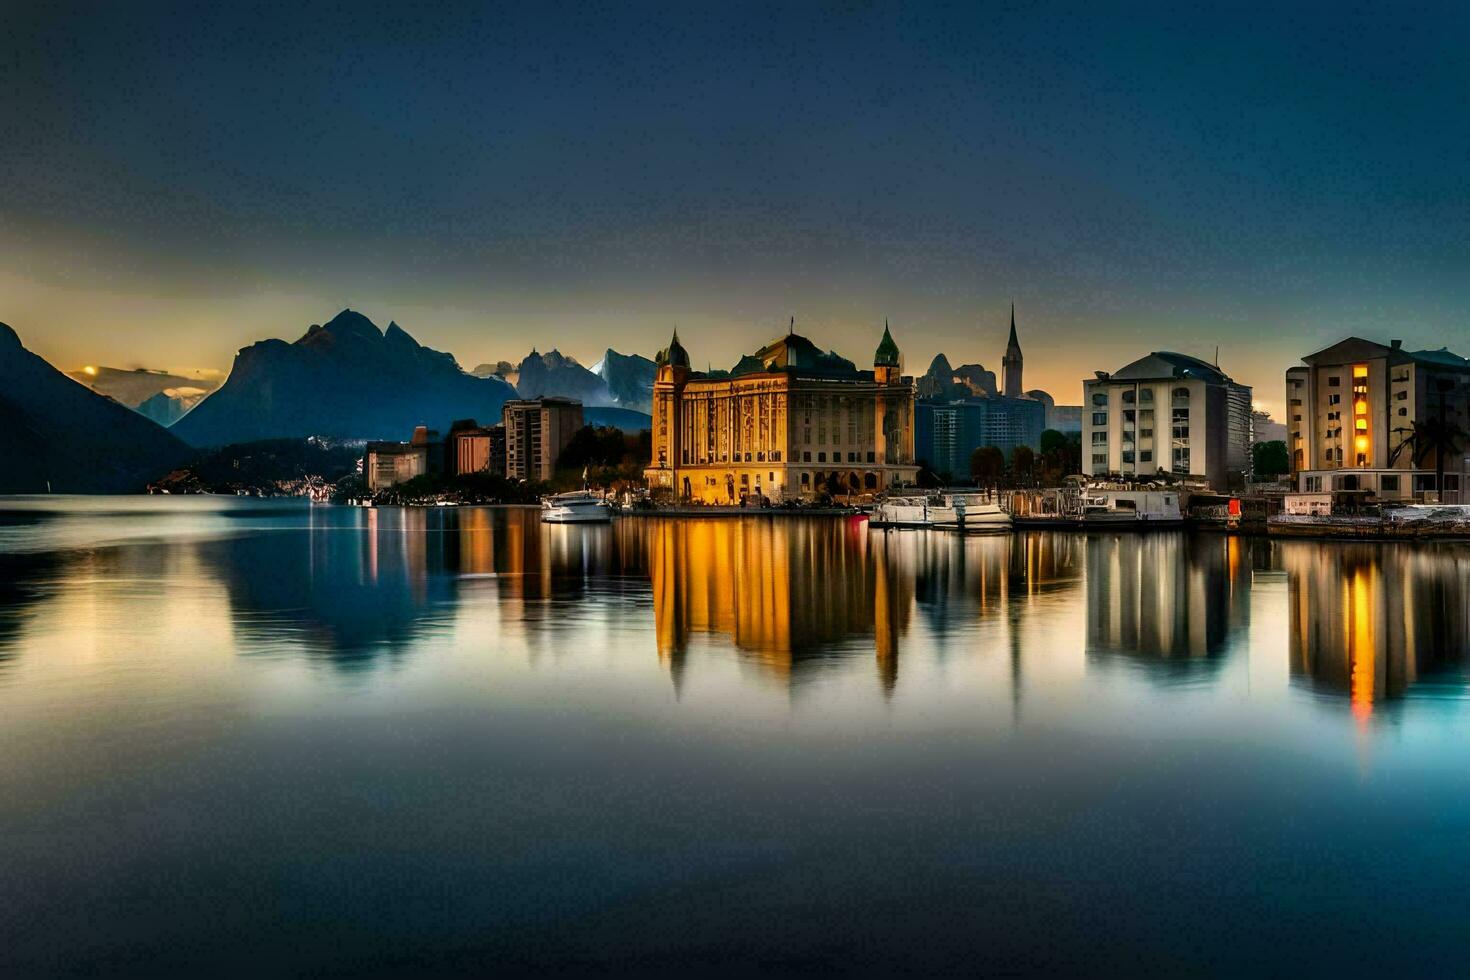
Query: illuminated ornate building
x=1362, y=416
x=788, y=421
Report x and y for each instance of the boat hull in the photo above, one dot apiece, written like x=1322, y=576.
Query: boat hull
x=940, y=513
x=553, y=517
x=575, y=508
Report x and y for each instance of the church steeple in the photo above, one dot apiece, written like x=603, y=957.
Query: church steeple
x=1011, y=363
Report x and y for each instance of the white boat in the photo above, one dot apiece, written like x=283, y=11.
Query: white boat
x=943, y=510
x=577, y=507
x=1131, y=508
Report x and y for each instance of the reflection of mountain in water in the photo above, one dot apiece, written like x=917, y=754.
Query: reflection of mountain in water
x=24, y=579
x=1373, y=620
x=356, y=585
x=1168, y=597
x=785, y=591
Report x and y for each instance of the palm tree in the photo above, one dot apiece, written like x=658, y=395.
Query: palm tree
x=1437, y=436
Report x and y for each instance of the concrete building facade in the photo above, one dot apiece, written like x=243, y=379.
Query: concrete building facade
x=536, y=431
x=1167, y=412
x=1362, y=416
x=387, y=464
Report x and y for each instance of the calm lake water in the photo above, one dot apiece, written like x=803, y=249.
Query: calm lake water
x=249, y=737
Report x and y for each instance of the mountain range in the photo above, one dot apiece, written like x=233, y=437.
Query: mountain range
x=345, y=379
x=57, y=434
x=617, y=380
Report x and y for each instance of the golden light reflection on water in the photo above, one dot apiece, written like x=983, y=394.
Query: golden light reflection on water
x=1370, y=620
x=790, y=597
x=780, y=590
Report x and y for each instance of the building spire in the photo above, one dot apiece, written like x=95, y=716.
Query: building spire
x=887, y=353
x=675, y=354
x=1011, y=364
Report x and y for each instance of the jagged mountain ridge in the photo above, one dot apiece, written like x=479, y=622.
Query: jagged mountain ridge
x=58, y=432
x=346, y=379
x=629, y=379
x=944, y=381
x=554, y=373
x=615, y=381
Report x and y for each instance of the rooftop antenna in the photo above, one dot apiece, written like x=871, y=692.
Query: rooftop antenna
x=1217, y=355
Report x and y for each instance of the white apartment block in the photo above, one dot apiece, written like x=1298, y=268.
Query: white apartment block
x=1167, y=412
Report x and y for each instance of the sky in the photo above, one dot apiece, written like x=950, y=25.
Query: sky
x=177, y=182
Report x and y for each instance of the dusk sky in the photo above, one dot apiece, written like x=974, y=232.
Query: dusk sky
x=180, y=182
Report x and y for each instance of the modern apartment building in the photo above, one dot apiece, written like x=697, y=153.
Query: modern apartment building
x=1167, y=412
x=1368, y=417
x=536, y=431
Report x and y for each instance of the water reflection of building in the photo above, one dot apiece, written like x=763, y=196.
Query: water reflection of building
x=785, y=591
x=1166, y=596
x=1371, y=620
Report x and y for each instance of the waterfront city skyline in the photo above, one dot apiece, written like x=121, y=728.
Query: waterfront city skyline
x=180, y=187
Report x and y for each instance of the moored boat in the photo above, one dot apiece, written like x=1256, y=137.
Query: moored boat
x=942, y=510
x=577, y=507
x=1131, y=508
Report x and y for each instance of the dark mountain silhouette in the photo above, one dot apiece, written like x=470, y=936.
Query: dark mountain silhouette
x=55, y=430
x=943, y=381
x=629, y=379
x=556, y=374
x=979, y=380
x=344, y=380
x=617, y=381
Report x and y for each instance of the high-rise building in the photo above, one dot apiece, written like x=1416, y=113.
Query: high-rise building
x=1167, y=412
x=946, y=433
x=787, y=422
x=1362, y=416
x=1011, y=364
x=536, y=431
